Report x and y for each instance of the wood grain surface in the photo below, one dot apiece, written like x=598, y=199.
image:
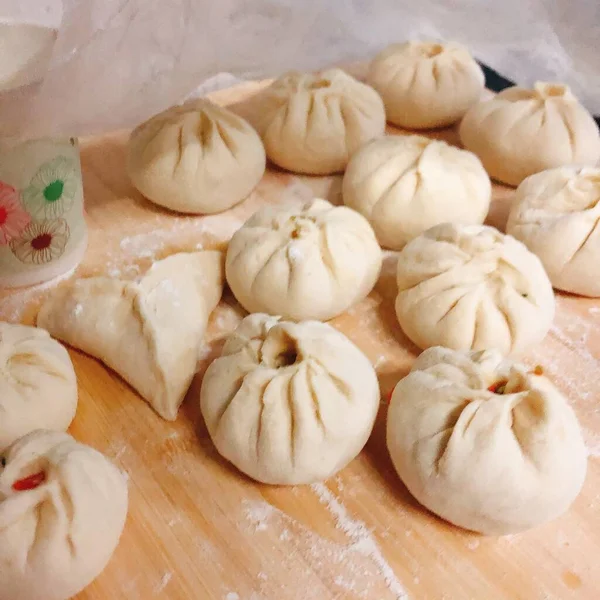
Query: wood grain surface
x=198, y=529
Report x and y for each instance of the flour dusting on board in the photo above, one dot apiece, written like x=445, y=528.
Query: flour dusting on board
x=356, y=569
x=164, y=582
x=363, y=539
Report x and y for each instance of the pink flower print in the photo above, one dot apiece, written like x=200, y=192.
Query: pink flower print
x=13, y=217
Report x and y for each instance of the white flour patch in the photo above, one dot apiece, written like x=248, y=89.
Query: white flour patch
x=164, y=582
x=232, y=596
x=363, y=539
x=295, y=253
x=258, y=514
x=473, y=544
x=380, y=360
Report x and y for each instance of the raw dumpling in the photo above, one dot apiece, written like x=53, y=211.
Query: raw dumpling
x=150, y=331
x=426, y=84
x=38, y=387
x=309, y=263
x=62, y=511
x=470, y=287
x=196, y=158
x=406, y=184
x=289, y=403
x=556, y=214
x=520, y=132
x=485, y=443
x=313, y=123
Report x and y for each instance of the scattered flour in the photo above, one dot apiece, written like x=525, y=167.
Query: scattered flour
x=363, y=539
x=357, y=567
x=164, y=582
x=258, y=514
x=13, y=307
x=473, y=544
x=284, y=535
x=232, y=596
x=380, y=360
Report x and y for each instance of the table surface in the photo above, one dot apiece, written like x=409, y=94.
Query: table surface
x=198, y=529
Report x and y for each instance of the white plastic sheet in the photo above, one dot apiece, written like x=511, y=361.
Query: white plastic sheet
x=116, y=62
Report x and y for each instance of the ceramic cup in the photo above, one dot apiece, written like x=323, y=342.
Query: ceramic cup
x=43, y=234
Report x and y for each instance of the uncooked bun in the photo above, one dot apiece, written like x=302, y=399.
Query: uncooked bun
x=289, y=403
x=426, y=84
x=406, y=184
x=308, y=263
x=196, y=158
x=520, y=132
x=470, y=287
x=62, y=510
x=148, y=331
x=313, y=123
x=38, y=387
x=556, y=215
x=485, y=443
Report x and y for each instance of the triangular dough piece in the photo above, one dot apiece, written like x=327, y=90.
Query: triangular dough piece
x=150, y=331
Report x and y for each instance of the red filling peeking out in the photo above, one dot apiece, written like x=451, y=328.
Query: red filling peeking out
x=498, y=387
x=29, y=483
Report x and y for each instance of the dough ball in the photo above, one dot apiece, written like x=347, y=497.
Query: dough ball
x=196, y=158
x=485, y=443
x=470, y=287
x=289, y=403
x=556, y=215
x=520, y=132
x=309, y=263
x=38, y=387
x=62, y=510
x=313, y=123
x=406, y=184
x=426, y=84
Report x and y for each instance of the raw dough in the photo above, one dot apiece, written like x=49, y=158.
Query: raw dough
x=556, y=214
x=313, y=123
x=426, y=84
x=471, y=287
x=150, y=331
x=308, y=263
x=196, y=158
x=38, y=387
x=289, y=403
x=58, y=537
x=520, y=132
x=406, y=184
x=497, y=463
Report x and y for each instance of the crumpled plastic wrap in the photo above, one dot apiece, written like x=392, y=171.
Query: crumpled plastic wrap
x=113, y=63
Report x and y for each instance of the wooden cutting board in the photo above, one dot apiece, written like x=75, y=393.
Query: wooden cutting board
x=198, y=529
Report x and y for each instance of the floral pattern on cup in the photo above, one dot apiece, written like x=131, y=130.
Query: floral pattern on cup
x=41, y=242
x=13, y=218
x=53, y=189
